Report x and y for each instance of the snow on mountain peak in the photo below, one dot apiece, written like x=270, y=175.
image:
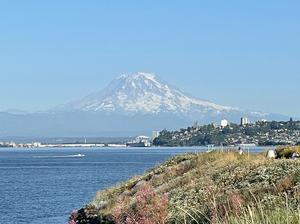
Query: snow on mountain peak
x=138, y=75
x=144, y=93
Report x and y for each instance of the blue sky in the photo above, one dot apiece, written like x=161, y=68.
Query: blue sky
x=237, y=53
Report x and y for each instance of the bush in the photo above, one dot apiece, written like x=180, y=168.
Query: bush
x=148, y=208
x=287, y=152
x=73, y=217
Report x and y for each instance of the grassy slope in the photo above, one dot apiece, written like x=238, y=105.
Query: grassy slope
x=210, y=188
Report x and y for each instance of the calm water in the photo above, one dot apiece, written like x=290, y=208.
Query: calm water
x=42, y=186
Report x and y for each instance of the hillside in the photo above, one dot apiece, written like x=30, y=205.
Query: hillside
x=217, y=187
x=258, y=133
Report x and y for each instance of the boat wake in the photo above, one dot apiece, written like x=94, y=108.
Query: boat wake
x=64, y=156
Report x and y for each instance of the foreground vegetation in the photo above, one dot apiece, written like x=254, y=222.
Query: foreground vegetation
x=216, y=187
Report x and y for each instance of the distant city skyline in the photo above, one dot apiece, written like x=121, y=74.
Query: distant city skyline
x=239, y=54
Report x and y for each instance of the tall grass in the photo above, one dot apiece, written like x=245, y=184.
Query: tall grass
x=253, y=215
x=217, y=187
x=146, y=208
x=256, y=213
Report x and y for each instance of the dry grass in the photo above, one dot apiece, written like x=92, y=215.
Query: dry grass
x=217, y=187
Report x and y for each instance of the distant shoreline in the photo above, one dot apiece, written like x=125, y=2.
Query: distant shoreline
x=71, y=145
x=100, y=145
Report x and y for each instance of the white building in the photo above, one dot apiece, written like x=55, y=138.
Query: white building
x=245, y=121
x=224, y=123
x=155, y=134
x=36, y=144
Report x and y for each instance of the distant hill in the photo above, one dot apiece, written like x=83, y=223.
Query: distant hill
x=131, y=104
x=259, y=133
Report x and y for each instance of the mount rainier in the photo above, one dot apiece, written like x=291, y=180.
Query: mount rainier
x=131, y=104
x=143, y=93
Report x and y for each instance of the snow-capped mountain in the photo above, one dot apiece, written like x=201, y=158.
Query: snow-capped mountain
x=131, y=104
x=144, y=93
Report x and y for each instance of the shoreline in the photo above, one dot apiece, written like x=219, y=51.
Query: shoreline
x=124, y=147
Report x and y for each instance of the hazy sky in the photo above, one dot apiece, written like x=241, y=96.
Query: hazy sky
x=237, y=53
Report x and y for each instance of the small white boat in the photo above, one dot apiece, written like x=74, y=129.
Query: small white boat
x=79, y=155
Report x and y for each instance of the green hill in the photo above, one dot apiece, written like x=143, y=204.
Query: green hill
x=259, y=133
x=216, y=187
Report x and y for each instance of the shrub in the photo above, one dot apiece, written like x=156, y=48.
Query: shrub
x=287, y=152
x=231, y=205
x=73, y=217
x=285, y=184
x=148, y=208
